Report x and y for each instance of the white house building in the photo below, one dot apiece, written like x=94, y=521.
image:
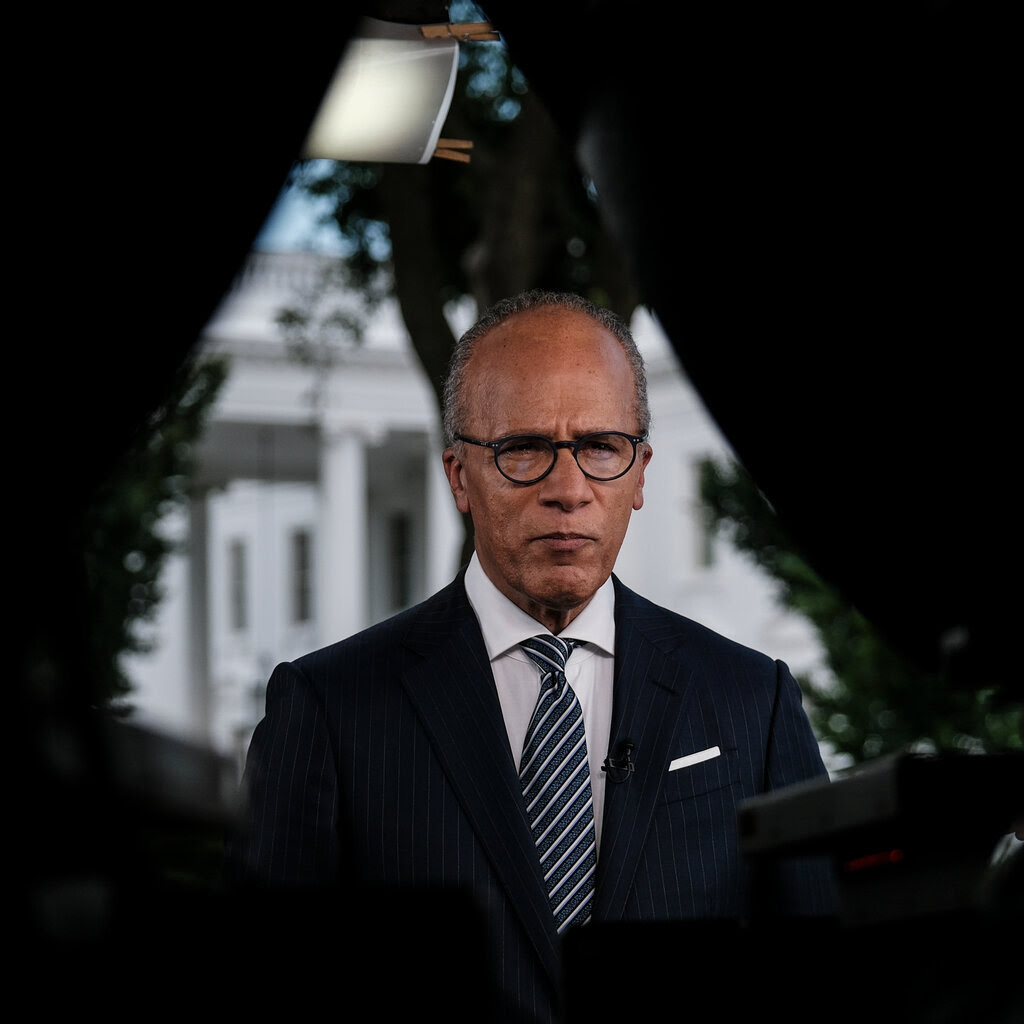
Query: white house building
x=323, y=507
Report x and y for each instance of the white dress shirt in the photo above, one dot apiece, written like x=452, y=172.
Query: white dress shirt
x=590, y=669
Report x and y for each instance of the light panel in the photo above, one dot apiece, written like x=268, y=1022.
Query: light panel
x=389, y=97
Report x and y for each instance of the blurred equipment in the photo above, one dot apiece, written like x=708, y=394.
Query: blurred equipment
x=911, y=835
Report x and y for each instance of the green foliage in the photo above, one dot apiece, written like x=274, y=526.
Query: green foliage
x=123, y=547
x=360, y=221
x=875, y=701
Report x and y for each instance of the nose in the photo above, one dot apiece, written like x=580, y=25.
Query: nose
x=566, y=484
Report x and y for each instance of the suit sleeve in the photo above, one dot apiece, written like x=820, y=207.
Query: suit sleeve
x=288, y=834
x=798, y=886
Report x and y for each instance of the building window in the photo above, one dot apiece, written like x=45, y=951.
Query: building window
x=302, y=576
x=399, y=555
x=237, y=585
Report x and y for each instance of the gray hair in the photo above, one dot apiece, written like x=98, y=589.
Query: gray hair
x=453, y=402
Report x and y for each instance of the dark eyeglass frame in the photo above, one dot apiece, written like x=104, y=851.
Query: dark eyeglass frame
x=573, y=446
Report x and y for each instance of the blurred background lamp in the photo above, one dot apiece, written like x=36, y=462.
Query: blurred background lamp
x=389, y=97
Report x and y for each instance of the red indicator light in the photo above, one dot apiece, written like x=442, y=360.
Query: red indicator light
x=873, y=860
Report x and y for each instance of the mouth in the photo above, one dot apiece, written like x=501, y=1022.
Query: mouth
x=564, y=541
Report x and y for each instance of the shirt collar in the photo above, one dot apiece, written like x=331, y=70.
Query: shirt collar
x=504, y=624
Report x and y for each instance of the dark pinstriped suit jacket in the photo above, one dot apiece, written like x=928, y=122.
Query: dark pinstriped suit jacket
x=384, y=759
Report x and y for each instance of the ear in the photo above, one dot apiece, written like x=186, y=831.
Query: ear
x=643, y=458
x=453, y=469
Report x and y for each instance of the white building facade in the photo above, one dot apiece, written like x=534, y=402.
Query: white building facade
x=322, y=507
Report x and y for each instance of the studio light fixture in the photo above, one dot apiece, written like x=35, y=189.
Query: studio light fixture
x=390, y=95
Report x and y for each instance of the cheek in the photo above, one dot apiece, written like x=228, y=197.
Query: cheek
x=497, y=519
x=505, y=525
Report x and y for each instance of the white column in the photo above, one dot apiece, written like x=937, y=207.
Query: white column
x=199, y=683
x=341, y=549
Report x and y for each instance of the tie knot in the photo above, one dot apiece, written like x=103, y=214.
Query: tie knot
x=549, y=652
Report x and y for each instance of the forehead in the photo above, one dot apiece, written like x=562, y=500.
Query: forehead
x=556, y=337
x=550, y=365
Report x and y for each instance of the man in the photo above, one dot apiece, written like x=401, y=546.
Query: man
x=403, y=756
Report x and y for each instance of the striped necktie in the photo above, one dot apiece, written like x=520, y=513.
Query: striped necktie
x=555, y=775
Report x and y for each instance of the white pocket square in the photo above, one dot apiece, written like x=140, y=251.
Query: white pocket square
x=695, y=758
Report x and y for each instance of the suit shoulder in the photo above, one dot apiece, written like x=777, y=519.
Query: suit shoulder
x=672, y=631
x=430, y=618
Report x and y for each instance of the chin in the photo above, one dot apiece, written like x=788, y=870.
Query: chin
x=563, y=593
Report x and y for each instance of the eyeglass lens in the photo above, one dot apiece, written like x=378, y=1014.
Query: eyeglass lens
x=601, y=456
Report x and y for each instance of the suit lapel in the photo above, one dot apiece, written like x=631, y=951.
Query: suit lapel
x=650, y=691
x=453, y=691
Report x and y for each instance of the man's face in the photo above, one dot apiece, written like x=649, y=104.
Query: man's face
x=550, y=545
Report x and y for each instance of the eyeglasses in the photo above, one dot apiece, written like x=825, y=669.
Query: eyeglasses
x=528, y=458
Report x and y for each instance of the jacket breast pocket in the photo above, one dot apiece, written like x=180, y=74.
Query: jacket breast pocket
x=704, y=776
